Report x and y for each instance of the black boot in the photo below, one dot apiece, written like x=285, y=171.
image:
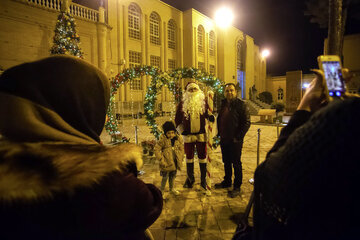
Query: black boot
x=203, y=174
x=189, y=183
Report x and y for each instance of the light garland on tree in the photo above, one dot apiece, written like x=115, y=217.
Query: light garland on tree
x=66, y=40
x=158, y=80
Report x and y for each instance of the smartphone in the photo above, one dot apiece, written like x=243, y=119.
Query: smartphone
x=331, y=66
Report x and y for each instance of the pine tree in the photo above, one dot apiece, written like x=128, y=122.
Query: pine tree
x=66, y=40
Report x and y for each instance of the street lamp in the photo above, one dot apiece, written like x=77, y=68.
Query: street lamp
x=265, y=53
x=224, y=17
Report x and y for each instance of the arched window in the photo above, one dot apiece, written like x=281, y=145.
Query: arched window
x=200, y=35
x=171, y=34
x=280, y=93
x=154, y=28
x=240, y=55
x=134, y=21
x=212, y=43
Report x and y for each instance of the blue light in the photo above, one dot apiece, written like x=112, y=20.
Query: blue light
x=338, y=93
x=331, y=94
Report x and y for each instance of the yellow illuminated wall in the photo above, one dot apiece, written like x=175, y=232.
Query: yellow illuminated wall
x=138, y=32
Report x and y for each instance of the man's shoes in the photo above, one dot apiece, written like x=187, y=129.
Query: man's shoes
x=222, y=185
x=188, y=183
x=204, y=190
x=234, y=193
x=175, y=192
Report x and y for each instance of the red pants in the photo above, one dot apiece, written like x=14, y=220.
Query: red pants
x=190, y=148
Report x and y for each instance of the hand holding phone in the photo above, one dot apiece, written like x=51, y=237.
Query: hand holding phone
x=334, y=83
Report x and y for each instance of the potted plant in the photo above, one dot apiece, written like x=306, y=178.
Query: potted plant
x=144, y=147
x=118, y=138
x=151, y=146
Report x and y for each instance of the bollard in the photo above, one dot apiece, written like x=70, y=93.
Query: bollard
x=258, y=148
x=277, y=127
x=251, y=180
x=136, y=134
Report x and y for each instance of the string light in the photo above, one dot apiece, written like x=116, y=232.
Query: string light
x=66, y=40
x=158, y=80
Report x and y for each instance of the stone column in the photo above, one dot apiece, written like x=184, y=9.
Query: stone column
x=206, y=52
x=147, y=44
x=143, y=54
x=120, y=45
x=195, y=50
x=126, y=52
x=102, y=33
x=216, y=55
x=165, y=68
x=65, y=5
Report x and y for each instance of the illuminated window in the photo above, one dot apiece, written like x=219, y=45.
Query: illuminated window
x=171, y=64
x=240, y=56
x=212, y=69
x=200, y=35
x=212, y=43
x=154, y=28
x=134, y=61
x=155, y=61
x=280, y=93
x=134, y=22
x=171, y=34
x=201, y=65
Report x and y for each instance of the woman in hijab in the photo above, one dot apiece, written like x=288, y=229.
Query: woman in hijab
x=57, y=181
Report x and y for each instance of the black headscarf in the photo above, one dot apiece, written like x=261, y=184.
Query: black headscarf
x=59, y=98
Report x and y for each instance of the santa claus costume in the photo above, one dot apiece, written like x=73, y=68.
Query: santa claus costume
x=190, y=121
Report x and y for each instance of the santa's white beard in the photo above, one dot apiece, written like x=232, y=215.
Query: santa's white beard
x=194, y=103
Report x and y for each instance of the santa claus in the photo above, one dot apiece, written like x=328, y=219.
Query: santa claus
x=190, y=121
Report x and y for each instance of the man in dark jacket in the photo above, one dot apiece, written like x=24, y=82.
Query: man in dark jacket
x=233, y=123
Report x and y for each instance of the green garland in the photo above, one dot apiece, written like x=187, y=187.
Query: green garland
x=159, y=79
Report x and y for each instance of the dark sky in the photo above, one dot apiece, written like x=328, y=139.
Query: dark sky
x=279, y=25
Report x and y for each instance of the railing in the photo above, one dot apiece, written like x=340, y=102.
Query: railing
x=84, y=12
x=76, y=10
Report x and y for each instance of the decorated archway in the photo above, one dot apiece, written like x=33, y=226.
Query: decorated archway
x=158, y=80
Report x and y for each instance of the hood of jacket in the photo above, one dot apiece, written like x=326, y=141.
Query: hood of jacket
x=29, y=171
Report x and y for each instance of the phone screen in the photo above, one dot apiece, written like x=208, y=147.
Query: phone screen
x=333, y=77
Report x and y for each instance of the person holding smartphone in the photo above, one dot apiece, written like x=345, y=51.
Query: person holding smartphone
x=307, y=186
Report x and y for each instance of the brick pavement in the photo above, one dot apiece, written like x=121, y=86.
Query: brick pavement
x=192, y=215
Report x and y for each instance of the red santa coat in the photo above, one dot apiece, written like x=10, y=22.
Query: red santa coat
x=192, y=125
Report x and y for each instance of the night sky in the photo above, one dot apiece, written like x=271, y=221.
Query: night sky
x=279, y=25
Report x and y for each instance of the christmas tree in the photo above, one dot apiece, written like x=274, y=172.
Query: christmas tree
x=66, y=40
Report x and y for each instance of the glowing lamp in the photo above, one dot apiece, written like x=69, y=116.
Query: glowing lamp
x=224, y=17
x=265, y=53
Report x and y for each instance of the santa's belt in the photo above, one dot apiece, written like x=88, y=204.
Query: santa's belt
x=200, y=137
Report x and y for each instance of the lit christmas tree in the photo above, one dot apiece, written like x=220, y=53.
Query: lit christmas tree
x=66, y=40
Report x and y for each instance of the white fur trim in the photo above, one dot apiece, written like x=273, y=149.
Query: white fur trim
x=194, y=138
x=203, y=160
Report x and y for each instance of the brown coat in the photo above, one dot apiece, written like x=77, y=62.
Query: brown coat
x=164, y=154
x=58, y=190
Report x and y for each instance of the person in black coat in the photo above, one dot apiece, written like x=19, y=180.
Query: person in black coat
x=307, y=186
x=57, y=181
x=233, y=123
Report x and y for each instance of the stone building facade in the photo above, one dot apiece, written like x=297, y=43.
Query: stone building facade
x=134, y=32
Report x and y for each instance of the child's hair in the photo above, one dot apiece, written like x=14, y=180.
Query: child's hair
x=168, y=126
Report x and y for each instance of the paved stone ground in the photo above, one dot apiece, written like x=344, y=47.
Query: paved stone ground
x=192, y=215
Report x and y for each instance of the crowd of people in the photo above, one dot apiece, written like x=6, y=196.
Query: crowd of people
x=58, y=181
